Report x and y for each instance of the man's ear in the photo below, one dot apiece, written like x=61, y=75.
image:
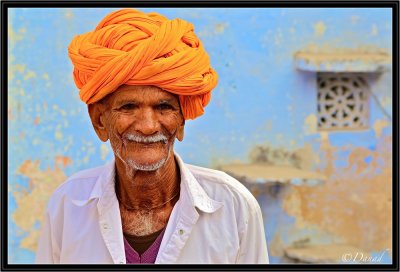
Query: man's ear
x=181, y=131
x=97, y=116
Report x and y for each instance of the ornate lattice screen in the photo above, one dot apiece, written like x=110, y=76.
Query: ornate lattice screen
x=342, y=101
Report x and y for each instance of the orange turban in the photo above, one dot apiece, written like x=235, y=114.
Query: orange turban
x=134, y=48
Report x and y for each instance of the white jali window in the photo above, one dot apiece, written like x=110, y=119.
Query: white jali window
x=343, y=101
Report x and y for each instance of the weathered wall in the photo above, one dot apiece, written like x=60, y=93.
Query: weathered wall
x=260, y=99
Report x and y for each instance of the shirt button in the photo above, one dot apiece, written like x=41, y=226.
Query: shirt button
x=121, y=262
x=105, y=226
x=181, y=231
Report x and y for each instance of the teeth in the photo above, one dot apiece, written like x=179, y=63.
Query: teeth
x=149, y=139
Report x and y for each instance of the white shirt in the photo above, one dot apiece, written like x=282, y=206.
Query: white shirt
x=215, y=221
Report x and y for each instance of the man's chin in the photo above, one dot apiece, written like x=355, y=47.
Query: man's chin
x=150, y=159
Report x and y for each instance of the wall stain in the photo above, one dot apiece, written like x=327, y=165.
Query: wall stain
x=36, y=121
x=301, y=158
x=355, y=203
x=319, y=29
x=220, y=28
x=378, y=126
x=31, y=202
x=310, y=124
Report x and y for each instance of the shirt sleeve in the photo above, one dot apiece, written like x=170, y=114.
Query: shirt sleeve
x=253, y=245
x=46, y=253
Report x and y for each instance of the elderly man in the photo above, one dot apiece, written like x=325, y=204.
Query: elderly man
x=142, y=76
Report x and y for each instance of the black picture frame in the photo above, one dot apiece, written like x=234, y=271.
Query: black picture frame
x=394, y=5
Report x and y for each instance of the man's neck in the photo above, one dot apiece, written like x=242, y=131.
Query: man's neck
x=147, y=190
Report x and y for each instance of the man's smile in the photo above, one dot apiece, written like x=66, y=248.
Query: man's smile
x=146, y=145
x=147, y=140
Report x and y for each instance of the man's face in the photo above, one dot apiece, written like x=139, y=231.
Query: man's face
x=142, y=123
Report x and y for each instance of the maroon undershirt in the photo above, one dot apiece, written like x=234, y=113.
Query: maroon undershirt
x=142, y=249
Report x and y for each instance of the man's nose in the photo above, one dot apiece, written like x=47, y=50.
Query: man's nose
x=147, y=122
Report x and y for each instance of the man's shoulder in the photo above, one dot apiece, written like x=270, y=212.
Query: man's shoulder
x=87, y=174
x=79, y=185
x=219, y=184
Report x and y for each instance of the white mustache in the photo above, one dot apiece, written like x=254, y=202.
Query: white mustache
x=147, y=139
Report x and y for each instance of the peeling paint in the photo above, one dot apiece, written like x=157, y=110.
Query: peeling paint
x=220, y=28
x=69, y=14
x=319, y=29
x=259, y=99
x=58, y=135
x=36, y=121
x=378, y=126
x=310, y=124
x=15, y=36
x=13, y=69
x=354, y=203
x=64, y=161
x=29, y=75
x=213, y=30
x=302, y=158
x=32, y=202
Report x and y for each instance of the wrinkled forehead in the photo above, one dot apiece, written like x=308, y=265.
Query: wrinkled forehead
x=139, y=93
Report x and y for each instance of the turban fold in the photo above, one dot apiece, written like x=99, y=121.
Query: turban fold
x=129, y=47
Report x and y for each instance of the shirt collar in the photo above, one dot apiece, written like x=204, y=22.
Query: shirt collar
x=104, y=188
x=106, y=177
x=197, y=195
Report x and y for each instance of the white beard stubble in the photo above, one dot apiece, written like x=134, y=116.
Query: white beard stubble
x=131, y=166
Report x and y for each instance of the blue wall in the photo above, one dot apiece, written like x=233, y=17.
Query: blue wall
x=261, y=97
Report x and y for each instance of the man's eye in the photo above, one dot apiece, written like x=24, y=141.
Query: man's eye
x=129, y=106
x=164, y=106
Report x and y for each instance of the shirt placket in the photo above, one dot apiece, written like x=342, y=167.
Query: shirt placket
x=111, y=230
x=178, y=239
